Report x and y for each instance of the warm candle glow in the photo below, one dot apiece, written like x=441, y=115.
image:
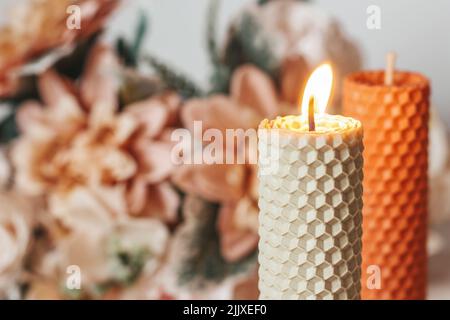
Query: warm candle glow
x=319, y=85
x=313, y=120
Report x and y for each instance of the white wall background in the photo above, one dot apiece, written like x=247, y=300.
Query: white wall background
x=418, y=30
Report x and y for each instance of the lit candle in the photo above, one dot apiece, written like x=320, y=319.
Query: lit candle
x=310, y=171
x=393, y=107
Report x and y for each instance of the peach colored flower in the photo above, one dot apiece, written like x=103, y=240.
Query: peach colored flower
x=37, y=26
x=16, y=223
x=293, y=76
x=253, y=97
x=90, y=160
x=43, y=289
x=97, y=253
x=247, y=288
x=182, y=275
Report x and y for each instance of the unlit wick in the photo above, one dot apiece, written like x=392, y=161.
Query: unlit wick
x=390, y=68
x=311, y=107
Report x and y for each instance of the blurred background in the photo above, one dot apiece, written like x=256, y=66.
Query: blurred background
x=414, y=29
x=183, y=44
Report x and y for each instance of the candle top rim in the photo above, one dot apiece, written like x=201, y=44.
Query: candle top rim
x=325, y=124
x=375, y=79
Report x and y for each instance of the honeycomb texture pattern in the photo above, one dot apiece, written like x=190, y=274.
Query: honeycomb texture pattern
x=310, y=217
x=395, y=121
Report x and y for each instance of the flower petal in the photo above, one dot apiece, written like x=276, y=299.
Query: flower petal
x=235, y=242
x=100, y=82
x=148, y=233
x=88, y=209
x=218, y=112
x=153, y=159
x=172, y=101
x=63, y=111
x=15, y=231
x=29, y=116
x=8, y=85
x=27, y=177
x=162, y=202
x=125, y=127
x=42, y=289
x=253, y=88
x=217, y=183
x=57, y=91
x=87, y=249
x=294, y=73
x=247, y=288
x=151, y=114
x=137, y=195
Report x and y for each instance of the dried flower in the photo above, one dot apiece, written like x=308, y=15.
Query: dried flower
x=108, y=257
x=300, y=37
x=45, y=29
x=91, y=161
x=253, y=97
x=16, y=223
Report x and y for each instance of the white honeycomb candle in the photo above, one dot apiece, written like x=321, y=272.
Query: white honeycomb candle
x=310, y=207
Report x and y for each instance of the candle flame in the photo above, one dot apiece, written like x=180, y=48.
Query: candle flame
x=319, y=86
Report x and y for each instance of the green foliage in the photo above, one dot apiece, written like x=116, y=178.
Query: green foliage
x=220, y=79
x=174, y=80
x=211, y=32
x=26, y=90
x=249, y=45
x=204, y=263
x=127, y=264
x=71, y=294
x=221, y=74
x=129, y=52
x=137, y=87
x=8, y=128
x=73, y=64
x=246, y=44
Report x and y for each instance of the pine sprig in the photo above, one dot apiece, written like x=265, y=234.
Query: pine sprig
x=246, y=44
x=203, y=263
x=73, y=64
x=211, y=31
x=27, y=90
x=129, y=52
x=255, y=48
x=221, y=73
x=174, y=80
x=8, y=128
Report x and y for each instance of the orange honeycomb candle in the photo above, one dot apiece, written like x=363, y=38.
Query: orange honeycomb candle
x=395, y=120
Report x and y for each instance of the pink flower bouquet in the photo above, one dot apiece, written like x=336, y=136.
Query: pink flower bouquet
x=92, y=203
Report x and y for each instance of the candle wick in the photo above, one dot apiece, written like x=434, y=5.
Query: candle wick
x=390, y=69
x=311, y=108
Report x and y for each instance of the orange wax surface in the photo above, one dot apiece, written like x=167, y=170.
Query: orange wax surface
x=395, y=121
